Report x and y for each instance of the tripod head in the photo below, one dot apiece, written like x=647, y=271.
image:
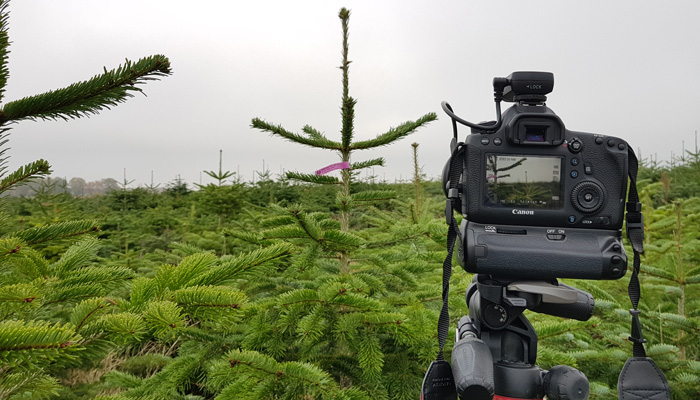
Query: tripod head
x=497, y=303
x=496, y=346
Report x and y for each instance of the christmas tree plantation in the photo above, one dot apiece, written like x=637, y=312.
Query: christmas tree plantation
x=304, y=287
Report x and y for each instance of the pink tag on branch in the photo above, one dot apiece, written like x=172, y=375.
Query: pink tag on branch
x=333, y=167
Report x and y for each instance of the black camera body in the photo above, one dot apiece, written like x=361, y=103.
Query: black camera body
x=540, y=201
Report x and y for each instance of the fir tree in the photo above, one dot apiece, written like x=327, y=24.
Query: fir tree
x=222, y=175
x=346, y=146
x=349, y=302
x=225, y=200
x=186, y=317
x=41, y=301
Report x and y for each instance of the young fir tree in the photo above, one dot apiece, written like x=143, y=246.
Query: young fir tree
x=349, y=302
x=345, y=147
x=224, y=200
x=41, y=301
x=180, y=324
x=671, y=270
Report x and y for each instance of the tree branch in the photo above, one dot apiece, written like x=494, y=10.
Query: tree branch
x=88, y=97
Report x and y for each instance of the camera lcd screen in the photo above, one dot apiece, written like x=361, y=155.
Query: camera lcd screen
x=524, y=181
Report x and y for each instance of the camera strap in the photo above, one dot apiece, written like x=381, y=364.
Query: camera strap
x=438, y=383
x=641, y=378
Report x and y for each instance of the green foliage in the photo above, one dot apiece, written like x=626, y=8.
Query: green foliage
x=56, y=231
x=292, y=306
x=225, y=201
x=88, y=97
x=28, y=386
x=251, y=375
x=343, y=301
x=33, y=343
x=177, y=188
x=40, y=296
x=25, y=175
x=275, y=290
x=310, y=178
x=130, y=199
x=345, y=147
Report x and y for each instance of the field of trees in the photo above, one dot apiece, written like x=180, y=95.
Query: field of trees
x=300, y=286
x=236, y=291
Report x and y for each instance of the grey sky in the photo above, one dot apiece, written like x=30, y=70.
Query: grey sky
x=623, y=68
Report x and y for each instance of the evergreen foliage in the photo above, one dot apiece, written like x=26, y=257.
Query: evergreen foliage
x=312, y=292
x=287, y=307
x=346, y=146
x=346, y=300
x=89, y=97
x=46, y=305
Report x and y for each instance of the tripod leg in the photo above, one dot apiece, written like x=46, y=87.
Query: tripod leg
x=472, y=363
x=472, y=368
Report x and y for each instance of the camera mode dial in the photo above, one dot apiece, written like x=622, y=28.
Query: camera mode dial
x=587, y=197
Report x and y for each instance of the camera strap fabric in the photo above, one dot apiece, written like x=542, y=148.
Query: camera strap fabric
x=640, y=378
x=635, y=233
x=452, y=203
x=438, y=383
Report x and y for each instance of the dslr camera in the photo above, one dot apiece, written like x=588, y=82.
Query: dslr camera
x=539, y=201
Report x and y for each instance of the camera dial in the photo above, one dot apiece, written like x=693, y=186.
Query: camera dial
x=587, y=197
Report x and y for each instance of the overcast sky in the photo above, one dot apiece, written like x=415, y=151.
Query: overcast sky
x=623, y=68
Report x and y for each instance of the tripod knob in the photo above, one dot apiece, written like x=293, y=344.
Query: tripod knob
x=566, y=383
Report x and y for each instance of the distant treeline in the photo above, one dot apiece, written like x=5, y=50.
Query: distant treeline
x=77, y=187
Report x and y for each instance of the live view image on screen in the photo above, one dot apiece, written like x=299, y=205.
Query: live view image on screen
x=523, y=181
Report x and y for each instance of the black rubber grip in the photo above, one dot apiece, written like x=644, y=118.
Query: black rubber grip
x=472, y=368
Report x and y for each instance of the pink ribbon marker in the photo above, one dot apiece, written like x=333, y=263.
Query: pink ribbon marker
x=333, y=167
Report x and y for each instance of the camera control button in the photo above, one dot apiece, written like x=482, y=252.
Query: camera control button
x=574, y=174
x=588, y=168
x=616, y=247
x=497, y=141
x=575, y=145
x=621, y=146
x=572, y=219
x=485, y=141
x=598, y=140
x=611, y=143
x=616, y=259
x=574, y=161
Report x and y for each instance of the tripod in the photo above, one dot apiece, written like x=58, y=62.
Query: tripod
x=496, y=346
